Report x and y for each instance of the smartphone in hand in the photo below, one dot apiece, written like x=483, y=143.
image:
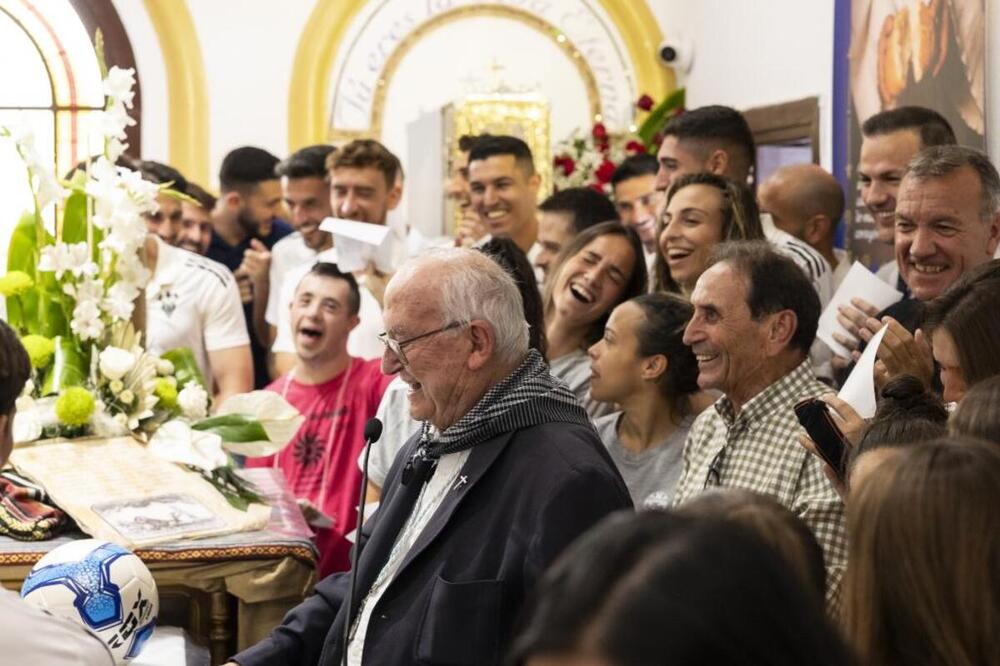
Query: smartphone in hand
x=814, y=415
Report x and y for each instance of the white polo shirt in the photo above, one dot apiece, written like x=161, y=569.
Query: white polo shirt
x=192, y=301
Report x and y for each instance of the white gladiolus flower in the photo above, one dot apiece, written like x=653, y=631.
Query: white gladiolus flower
x=118, y=85
x=164, y=367
x=87, y=320
x=115, y=363
x=193, y=401
x=64, y=257
x=111, y=122
x=121, y=300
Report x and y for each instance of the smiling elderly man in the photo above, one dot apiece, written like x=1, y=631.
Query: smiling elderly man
x=754, y=321
x=505, y=473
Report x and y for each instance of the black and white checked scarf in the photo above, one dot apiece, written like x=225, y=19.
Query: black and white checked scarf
x=526, y=397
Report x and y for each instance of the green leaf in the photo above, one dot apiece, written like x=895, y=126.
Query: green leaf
x=68, y=367
x=74, y=226
x=22, y=253
x=233, y=428
x=657, y=118
x=50, y=316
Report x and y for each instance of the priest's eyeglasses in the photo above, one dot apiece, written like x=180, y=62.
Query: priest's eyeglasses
x=396, y=346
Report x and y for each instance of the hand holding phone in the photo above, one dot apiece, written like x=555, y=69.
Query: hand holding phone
x=831, y=445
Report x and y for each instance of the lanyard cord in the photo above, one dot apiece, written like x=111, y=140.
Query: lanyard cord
x=327, y=452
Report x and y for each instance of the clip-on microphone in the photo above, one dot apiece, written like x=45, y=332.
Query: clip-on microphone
x=373, y=430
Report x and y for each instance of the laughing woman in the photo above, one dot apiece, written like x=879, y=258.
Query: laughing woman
x=600, y=268
x=702, y=211
x=643, y=365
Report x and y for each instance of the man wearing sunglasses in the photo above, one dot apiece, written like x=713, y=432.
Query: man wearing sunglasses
x=505, y=473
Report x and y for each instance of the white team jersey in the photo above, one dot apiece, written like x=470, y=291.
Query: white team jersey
x=192, y=301
x=812, y=263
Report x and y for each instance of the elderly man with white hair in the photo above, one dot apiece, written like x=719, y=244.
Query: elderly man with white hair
x=505, y=472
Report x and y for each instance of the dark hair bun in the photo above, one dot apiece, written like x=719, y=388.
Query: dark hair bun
x=907, y=395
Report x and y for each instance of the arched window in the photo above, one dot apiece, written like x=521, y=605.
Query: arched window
x=50, y=81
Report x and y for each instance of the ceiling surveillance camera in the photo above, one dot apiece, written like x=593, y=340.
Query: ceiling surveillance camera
x=675, y=53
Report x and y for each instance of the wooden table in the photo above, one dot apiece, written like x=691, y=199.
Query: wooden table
x=227, y=592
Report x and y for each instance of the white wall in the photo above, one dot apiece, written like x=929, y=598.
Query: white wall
x=756, y=53
x=746, y=54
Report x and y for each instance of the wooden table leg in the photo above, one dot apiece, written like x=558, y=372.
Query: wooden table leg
x=220, y=632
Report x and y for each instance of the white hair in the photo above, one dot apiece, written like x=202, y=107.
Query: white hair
x=473, y=286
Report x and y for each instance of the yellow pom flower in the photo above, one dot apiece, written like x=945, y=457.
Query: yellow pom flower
x=40, y=350
x=15, y=283
x=75, y=406
x=166, y=392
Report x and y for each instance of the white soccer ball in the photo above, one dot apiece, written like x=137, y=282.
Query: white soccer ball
x=102, y=586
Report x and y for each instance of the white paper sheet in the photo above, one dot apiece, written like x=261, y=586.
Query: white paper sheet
x=858, y=283
x=859, y=389
x=361, y=243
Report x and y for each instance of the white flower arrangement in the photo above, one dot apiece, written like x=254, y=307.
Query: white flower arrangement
x=71, y=296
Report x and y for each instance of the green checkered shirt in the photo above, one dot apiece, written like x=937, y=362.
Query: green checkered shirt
x=758, y=450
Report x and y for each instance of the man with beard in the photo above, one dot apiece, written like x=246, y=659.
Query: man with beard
x=195, y=232
x=245, y=228
x=365, y=185
x=306, y=192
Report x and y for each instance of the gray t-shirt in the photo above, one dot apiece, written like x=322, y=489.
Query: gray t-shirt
x=651, y=476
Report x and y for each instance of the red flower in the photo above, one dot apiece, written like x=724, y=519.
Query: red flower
x=645, y=103
x=657, y=140
x=605, y=171
x=568, y=165
x=600, y=132
x=597, y=187
x=634, y=147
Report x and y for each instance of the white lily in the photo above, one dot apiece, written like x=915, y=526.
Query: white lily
x=115, y=362
x=176, y=442
x=279, y=419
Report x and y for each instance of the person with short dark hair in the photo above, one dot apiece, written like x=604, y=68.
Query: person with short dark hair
x=306, y=194
x=642, y=365
x=195, y=233
x=166, y=221
x=470, y=227
x=245, y=227
x=28, y=634
x=714, y=139
x=337, y=393
x=889, y=140
x=924, y=544
x=503, y=187
x=565, y=214
x=365, y=184
x=755, y=319
x=633, y=186
x=663, y=588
